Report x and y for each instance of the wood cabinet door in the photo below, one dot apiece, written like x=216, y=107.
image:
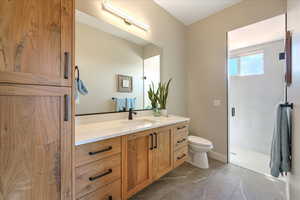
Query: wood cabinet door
x=137, y=158
x=36, y=41
x=163, y=152
x=35, y=143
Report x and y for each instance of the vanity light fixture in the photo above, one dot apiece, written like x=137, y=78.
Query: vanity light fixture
x=127, y=19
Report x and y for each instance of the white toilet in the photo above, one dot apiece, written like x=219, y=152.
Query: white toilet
x=198, y=148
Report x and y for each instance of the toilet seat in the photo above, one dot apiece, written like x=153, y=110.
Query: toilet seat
x=195, y=140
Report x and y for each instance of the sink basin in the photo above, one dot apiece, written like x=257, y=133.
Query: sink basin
x=138, y=122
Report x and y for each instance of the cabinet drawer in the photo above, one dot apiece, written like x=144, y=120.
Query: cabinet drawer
x=94, y=151
x=180, y=156
x=181, y=127
x=180, y=139
x=97, y=174
x=108, y=192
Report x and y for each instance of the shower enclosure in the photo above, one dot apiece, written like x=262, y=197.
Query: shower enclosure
x=255, y=87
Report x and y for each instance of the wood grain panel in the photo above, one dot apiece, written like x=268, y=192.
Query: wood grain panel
x=137, y=172
x=163, y=154
x=111, y=191
x=104, y=148
x=85, y=185
x=35, y=144
x=33, y=34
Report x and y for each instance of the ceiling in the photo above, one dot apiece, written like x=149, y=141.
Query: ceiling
x=190, y=11
x=262, y=32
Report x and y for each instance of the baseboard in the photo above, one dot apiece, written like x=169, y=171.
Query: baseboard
x=217, y=156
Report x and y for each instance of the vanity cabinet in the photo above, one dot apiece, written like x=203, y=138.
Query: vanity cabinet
x=35, y=143
x=122, y=166
x=36, y=42
x=151, y=154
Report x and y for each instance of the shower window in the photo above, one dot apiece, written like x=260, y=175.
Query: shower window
x=247, y=64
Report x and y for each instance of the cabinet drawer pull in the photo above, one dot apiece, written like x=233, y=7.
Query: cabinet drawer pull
x=100, y=151
x=179, y=128
x=155, y=134
x=151, y=147
x=180, y=141
x=67, y=65
x=110, y=198
x=180, y=157
x=100, y=175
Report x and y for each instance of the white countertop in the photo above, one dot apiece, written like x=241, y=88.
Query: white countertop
x=96, y=131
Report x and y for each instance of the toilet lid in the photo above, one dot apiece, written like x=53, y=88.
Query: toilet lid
x=199, y=141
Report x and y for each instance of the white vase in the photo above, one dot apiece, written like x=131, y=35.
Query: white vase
x=164, y=112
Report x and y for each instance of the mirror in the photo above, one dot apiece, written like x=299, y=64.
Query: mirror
x=114, y=68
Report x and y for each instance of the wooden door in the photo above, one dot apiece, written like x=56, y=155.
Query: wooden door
x=36, y=41
x=163, y=152
x=35, y=143
x=137, y=158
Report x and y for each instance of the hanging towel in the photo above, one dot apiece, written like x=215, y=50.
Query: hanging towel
x=130, y=103
x=280, y=162
x=76, y=93
x=79, y=88
x=82, y=88
x=120, y=104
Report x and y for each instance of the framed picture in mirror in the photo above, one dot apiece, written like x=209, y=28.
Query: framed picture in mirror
x=124, y=83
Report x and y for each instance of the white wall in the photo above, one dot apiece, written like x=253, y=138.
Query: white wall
x=255, y=98
x=165, y=31
x=100, y=57
x=293, y=16
x=207, y=45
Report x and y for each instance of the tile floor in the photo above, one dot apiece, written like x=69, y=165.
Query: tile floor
x=220, y=182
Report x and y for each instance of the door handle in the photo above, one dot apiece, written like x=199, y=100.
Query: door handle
x=67, y=65
x=155, y=134
x=67, y=107
x=233, y=112
x=151, y=137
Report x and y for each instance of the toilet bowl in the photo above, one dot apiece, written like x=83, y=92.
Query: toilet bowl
x=198, y=148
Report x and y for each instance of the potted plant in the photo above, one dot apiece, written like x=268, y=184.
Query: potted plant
x=162, y=96
x=153, y=95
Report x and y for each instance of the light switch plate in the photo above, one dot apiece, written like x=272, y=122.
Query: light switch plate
x=217, y=102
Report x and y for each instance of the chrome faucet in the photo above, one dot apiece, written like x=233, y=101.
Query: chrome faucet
x=130, y=113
